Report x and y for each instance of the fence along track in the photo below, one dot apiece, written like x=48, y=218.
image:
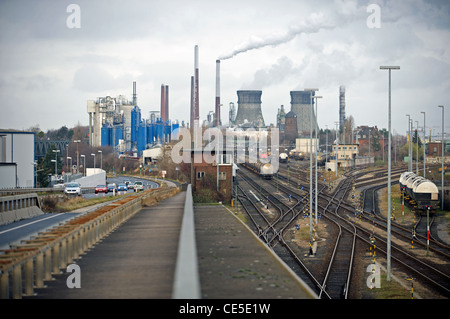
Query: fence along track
x=28, y=265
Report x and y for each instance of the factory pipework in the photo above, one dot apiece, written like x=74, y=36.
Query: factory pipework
x=217, y=118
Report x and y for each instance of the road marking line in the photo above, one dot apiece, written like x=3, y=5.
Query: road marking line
x=36, y=221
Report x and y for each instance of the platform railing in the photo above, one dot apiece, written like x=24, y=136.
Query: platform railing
x=187, y=279
x=25, y=267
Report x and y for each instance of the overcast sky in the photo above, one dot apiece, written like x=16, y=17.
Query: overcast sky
x=49, y=71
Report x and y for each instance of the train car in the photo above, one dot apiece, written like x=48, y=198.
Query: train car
x=419, y=192
x=265, y=170
x=426, y=195
x=284, y=158
x=403, y=178
x=299, y=156
x=320, y=160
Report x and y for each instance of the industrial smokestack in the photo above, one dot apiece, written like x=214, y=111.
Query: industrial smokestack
x=192, y=113
x=163, y=103
x=217, y=93
x=134, y=94
x=341, y=106
x=249, y=109
x=196, y=86
x=166, y=105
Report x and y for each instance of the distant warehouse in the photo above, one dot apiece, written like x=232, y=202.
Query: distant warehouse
x=16, y=159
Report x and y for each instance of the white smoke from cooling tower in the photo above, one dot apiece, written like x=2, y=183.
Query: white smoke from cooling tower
x=313, y=24
x=342, y=13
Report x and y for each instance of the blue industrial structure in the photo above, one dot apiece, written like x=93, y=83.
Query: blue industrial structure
x=143, y=133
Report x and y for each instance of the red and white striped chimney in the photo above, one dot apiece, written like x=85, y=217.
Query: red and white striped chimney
x=217, y=117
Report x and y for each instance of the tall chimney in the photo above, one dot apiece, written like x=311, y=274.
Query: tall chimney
x=196, y=88
x=217, y=93
x=192, y=113
x=134, y=94
x=166, y=105
x=163, y=103
x=341, y=106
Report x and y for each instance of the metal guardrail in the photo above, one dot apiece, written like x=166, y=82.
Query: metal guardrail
x=187, y=279
x=26, y=266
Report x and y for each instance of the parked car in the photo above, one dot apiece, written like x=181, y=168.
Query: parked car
x=72, y=189
x=122, y=187
x=112, y=187
x=138, y=186
x=101, y=189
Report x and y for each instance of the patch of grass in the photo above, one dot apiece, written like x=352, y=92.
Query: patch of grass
x=391, y=290
x=70, y=203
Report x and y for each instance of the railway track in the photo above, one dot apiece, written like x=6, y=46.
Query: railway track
x=334, y=281
x=434, y=275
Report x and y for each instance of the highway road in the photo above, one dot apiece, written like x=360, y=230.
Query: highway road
x=117, y=180
x=15, y=232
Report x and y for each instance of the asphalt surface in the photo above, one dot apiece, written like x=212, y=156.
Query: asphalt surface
x=136, y=261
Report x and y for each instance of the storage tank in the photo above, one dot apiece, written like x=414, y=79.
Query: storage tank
x=150, y=133
x=142, y=138
x=118, y=135
x=105, y=136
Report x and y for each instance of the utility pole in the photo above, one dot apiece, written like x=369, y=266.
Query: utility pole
x=388, y=257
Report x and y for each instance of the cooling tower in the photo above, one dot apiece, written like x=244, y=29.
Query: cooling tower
x=301, y=106
x=249, y=109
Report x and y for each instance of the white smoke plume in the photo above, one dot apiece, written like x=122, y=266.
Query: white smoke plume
x=314, y=23
x=343, y=12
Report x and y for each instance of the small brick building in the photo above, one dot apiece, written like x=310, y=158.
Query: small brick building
x=205, y=173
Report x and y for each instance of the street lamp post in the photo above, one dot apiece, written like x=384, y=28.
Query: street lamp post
x=101, y=159
x=69, y=166
x=389, y=200
x=56, y=161
x=315, y=152
x=442, y=172
x=84, y=164
x=93, y=154
x=409, y=141
x=424, y=142
x=417, y=147
x=78, y=157
x=337, y=144
x=310, y=166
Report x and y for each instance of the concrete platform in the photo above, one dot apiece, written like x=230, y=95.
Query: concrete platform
x=135, y=261
x=234, y=264
x=138, y=260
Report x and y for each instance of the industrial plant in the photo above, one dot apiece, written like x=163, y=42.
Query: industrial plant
x=118, y=122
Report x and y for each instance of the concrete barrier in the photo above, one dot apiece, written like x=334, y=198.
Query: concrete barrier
x=28, y=265
x=17, y=207
x=187, y=279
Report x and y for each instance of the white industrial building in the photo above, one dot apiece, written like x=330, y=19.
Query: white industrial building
x=17, y=166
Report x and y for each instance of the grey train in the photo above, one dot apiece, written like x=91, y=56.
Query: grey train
x=419, y=192
x=265, y=170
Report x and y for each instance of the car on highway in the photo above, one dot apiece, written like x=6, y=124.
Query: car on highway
x=138, y=186
x=122, y=187
x=72, y=189
x=112, y=187
x=101, y=189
